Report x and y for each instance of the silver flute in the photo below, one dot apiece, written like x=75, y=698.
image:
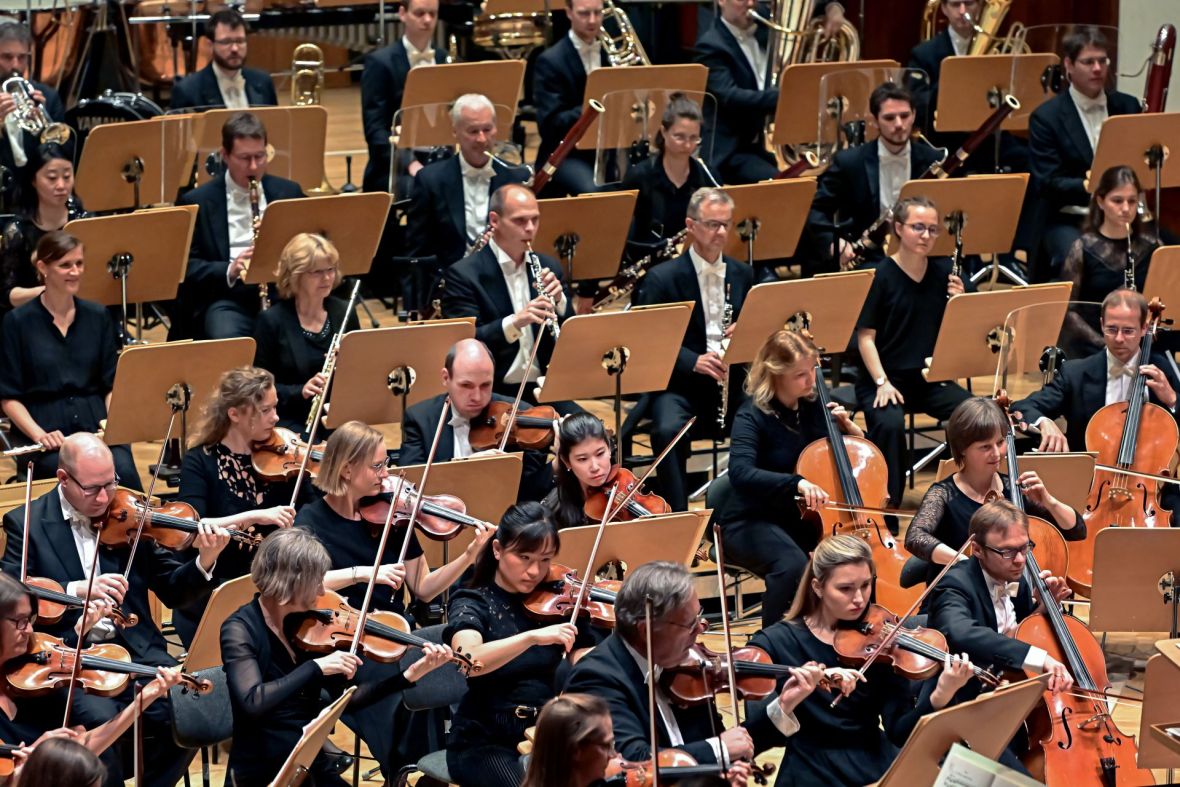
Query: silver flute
x=535, y=270
x=723, y=384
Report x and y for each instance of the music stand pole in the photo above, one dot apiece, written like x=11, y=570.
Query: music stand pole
x=1155, y=160
x=748, y=232
x=614, y=361
x=119, y=266
x=566, y=245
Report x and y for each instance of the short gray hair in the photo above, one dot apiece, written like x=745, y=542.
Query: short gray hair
x=667, y=584
x=289, y=563
x=706, y=195
x=473, y=102
x=16, y=31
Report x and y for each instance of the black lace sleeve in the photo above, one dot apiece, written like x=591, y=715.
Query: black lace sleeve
x=256, y=697
x=1075, y=533
x=920, y=540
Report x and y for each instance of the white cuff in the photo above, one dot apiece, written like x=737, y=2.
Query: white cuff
x=511, y=332
x=208, y=575
x=718, y=751
x=1035, y=660
x=1037, y=423
x=784, y=722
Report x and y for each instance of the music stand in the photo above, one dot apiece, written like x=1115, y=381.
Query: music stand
x=969, y=89
x=615, y=128
x=158, y=239
x=799, y=87
x=1066, y=475
x=382, y=371
x=315, y=733
x=123, y=167
x=1136, y=580
x=591, y=228
x=827, y=306
x=671, y=537
x=1163, y=275
x=433, y=88
x=297, y=135
x=1142, y=143
x=615, y=353
x=768, y=218
x=1161, y=699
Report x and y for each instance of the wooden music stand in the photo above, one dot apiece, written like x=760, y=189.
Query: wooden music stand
x=1163, y=277
x=382, y=371
x=768, y=218
x=672, y=537
x=844, y=99
x=969, y=87
x=123, y=167
x=1026, y=333
x=986, y=724
x=353, y=222
x=1136, y=580
x=828, y=306
x=799, y=89
x=423, y=120
x=634, y=97
x=297, y=134
x=1142, y=142
x=973, y=329
x=588, y=231
x=297, y=766
x=1161, y=699
x=1066, y=476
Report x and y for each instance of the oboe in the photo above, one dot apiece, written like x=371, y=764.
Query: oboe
x=1129, y=270
x=256, y=224
x=723, y=384
x=534, y=263
x=329, y=367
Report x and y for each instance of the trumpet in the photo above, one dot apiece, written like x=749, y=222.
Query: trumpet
x=256, y=222
x=31, y=116
x=536, y=270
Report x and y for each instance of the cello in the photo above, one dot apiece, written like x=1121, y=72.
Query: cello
x=855, y=468
x=1138, y=436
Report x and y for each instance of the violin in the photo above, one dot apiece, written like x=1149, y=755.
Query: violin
x=105, y=669
x=172, y=525
x=441, y=517
x=553, y=600
x=53, y=601
x=916, y=653
x=641, y=503
x=675, y=764
x=280, y=457
x=532, y=429
x=331, y=626
x=7, y=759
x=707, y=675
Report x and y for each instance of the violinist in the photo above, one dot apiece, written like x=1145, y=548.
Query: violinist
x=583, y=464
x=975, y=433
x=467, y=377
x=59, y=360
x=855, y=742
x=293, y=336
x=62, y=762
x=487, y=619
x=62, y=544
x=764, y=528
x=572, y=744
x=276, y=688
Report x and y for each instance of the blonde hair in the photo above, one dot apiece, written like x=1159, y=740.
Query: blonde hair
x=563, y=728
x=829, y=555
x=299, y=255
x=778, y=354
x=351, y=445
x=289, y=564
x=242, y=388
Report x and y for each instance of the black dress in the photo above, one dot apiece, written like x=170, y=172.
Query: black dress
x=499, y=706
x=661, y=205
x=843, y=745
x=294, y=355
x=21, y=237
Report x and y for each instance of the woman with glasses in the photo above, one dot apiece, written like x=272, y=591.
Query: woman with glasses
x=573, y=743
x=520, y=656
x=58, y=365
x=975, y=434
x=292, y=337
x=896, y=332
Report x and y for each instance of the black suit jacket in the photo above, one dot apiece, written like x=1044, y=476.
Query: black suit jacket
x=56, y=111
x=559, y=87
x=204, y=280
x=200, y=91
x=475, y=287
x=54, y=555
x=383, y=82
x=1060, y=152
x=436, y=227
x=742, y=109
x=1077, y=392
x=928, y=57
x=419, y=423
x=676, y=280
x=611, y=673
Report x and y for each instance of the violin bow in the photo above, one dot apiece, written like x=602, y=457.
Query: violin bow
x=147, y=498
x=508, y=424
x=652, y=709
x=651, y=469
x=77, y=666
x=587, y=578
x=442, y=420
x=729, y=667
x=362, y=618
x=24, y=547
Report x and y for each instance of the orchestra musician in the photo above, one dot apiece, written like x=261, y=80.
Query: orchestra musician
x=494, y=285
x=864, y=182
x=573, y=743
x=275, y=687
x=701, y=274
x=441, y=227
x=213, y=303
x=292, y=337
x=467, y=374
x=856, y=741
x=763, y=526
x=62, y=762
x=59, y=360
x=583, y=463
x=975, y=434
x=227, y=82
x=487, y=619
x=559, y=86
x=896, y=332
x=1063, y=135
x=61, y=546
x=383, y=82
x=16, y=58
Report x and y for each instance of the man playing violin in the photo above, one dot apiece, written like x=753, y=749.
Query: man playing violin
x=61, y=547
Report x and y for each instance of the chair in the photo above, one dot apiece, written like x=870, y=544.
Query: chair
x=202, y=721
x=438, y=689
x=719, y=497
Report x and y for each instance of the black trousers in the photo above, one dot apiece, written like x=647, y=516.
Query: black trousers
x=226, y=319
x=775, y=553
x=748, y=167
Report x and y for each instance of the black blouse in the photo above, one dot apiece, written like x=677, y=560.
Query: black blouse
x=61, y=380
x=21, y=237
x=661, y=205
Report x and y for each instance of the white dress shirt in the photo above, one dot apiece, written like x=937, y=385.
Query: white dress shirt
x=755, y=53
x=240, y=217
x=1092, y=112
x=1119, y=377
x=517, y=279
x=232, y=86
x=711, y=280
x=591, y=54
x=1002, y=594
x=461, y=431
x=477, y=183
x=418, y=57
x=86, y=542
x=892, y=173
x=16, y=139
x=960, y=43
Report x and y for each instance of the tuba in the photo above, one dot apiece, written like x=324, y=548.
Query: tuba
x=798, y=39
x=622, y=47
x=986, y=40
x=31, y=116
x=307, y=75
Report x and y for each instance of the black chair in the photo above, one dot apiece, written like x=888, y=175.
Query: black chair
x=202, y=721
x=437, y=690
x=719, y=497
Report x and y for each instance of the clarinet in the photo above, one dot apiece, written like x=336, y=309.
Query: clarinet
x=534, y=263
x=256, y=223
x=329, y=367
x=1129, y=270
x=723, y=384
x=623, y=284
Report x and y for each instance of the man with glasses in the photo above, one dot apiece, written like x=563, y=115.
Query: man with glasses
x=213, y=302
x=716, y=284
x=62, y=545
x=226, y=82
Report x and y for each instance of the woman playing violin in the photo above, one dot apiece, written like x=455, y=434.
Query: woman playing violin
x=763, y=526
x=62, y=762
x=293, y=335
x=520, y=657
x=582, y=465
x=275, y=688
x=976, y=433
x=572, y=744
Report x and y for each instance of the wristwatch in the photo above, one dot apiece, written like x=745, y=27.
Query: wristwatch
x=881, y=380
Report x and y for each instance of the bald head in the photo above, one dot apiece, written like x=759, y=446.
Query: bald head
x=86, y=473
x=514, y=215
x=467, y=375
x=83, y=447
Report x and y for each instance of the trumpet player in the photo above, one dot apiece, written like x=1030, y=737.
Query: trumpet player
x=16, y=53
x=214, y=302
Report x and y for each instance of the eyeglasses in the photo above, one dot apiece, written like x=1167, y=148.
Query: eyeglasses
x=384, y=464
x=1090, y=62
x=712, y=225
x=686, y=139
x=933, y=230
x=230, y=41
x=93, y=490
x=23, y=622
x=698, y=622
x=249, y=158
x=1010, y=554
x=1114, y=330
x=607, y=745
x=323, y=272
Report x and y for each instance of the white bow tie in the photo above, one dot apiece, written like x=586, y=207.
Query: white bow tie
x=421, y=58
x=1009, y=589
x=484, y=173
x=1117, y=369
